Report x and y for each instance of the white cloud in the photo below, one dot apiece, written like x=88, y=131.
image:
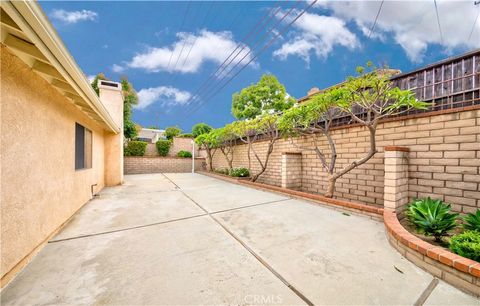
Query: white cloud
x=166, y=95
x=413, y=24
x=73, y=16
x=117, y=68
x=318, y=34
x=207, y=47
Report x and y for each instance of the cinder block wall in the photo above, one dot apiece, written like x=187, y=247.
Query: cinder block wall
x=444, y=160
x=142, y=164
x=181, y=143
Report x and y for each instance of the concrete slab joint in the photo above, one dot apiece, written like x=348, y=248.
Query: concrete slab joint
x=396, y=178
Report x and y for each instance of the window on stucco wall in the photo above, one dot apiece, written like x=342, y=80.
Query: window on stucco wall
x=83, y=147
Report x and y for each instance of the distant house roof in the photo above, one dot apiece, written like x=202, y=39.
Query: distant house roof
x=28, y=34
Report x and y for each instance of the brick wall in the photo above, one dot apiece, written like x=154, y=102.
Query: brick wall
x=140, y=165
x=444, y=160
x=181, y=143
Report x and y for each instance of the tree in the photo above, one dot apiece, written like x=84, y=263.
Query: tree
x=226, y=141
x=267, y=96
x=201, y=128
x=94, y=84
x=130, y=99
x=208, y=142
x=365, y=100
x=172, y=131
x=250, y=131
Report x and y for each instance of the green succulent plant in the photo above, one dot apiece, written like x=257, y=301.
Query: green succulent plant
x=432, y=217
x=472, y=221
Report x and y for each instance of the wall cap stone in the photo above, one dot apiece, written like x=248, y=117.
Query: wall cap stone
x=396, y=148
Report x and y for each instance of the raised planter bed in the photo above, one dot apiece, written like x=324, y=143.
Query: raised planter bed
x=459, y=271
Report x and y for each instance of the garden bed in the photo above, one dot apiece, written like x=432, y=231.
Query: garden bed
x=459, y=271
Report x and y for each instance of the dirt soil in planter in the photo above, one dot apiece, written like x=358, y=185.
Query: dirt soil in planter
x=430, y=239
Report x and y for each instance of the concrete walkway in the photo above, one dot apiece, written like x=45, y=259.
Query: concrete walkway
x=188, y=239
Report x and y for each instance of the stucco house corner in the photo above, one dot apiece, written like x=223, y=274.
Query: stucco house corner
x=77, y=148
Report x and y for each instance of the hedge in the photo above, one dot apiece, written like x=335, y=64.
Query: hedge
x=163, y=146
x=135, y=148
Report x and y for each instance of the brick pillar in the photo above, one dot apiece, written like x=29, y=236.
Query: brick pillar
x=396, y=178
x=292, y=170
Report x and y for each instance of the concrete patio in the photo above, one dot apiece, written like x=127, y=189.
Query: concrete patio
x=191, y=239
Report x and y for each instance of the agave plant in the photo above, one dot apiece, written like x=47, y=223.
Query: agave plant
x=432, y=217
x=472, y=221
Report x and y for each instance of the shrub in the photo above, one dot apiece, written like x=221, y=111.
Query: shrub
x=172, y=131
x=472, y=221
x=184, y=154
x=135, y=148
x=239, y=172
x=467, y=245
x=163, y=146
x=431, y=217
x=222, y=171
x=186, y=135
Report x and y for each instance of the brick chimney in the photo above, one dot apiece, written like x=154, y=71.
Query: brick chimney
x=112, y=98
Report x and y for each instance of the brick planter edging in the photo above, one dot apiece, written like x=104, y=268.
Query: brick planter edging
x=300, y=194
x=454, y=269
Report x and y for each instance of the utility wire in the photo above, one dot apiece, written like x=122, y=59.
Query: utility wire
x=181, y=28
x=376, y=18
x=245, y=39
x=256, y=56
x=438, y=21
x=263, y=38
x=194, y=41
x=196, y=37
x=474, y=23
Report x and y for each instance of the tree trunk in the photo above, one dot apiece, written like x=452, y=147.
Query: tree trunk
x=248, y=156
x=263, y=165
x=331, y=186
x=210, y=159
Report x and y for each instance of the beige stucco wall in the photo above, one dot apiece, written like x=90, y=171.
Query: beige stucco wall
x=40, y=188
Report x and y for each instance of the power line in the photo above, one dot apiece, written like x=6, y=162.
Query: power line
x=438, y=21
x=474, y=23
x=265, y=36
x=181, y=28
x=376, y=18
x=240, y=44
x=193, y=43
x=256, y=56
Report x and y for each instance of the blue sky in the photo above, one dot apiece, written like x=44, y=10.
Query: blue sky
x=168, y=56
